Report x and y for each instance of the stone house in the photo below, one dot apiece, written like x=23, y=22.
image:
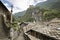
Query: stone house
x=4, y=18
x=55, y=22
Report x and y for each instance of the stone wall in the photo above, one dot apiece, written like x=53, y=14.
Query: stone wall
x=2, y=33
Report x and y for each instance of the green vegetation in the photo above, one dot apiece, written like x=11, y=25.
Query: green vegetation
x=50, y=4
x=50, y=14
x=14, y=23
x=15, y=26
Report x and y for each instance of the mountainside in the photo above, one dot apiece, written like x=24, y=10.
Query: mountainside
x=50, y=4
x=20, y=14
x=28, y=16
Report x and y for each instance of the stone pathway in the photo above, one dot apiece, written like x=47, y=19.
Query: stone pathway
x=20, y=37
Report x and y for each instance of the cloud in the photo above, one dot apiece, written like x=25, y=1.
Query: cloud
x=7, y=5
x=21, y=5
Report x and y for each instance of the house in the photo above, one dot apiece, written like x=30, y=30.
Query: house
x=55, y=20
x=5, y=16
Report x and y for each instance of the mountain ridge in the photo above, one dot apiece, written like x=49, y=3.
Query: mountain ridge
x=49, y=4
x=20, y=13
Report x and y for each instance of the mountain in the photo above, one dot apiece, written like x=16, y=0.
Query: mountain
x=28, y=15
x=49, y=4
x=19, y=14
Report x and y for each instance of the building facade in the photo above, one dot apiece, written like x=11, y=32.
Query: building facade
x=5, y=16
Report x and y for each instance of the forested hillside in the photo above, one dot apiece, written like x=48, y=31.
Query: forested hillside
x=28, y=15
x=50, y=4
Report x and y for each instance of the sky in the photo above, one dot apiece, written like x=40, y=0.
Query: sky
x=20, y=5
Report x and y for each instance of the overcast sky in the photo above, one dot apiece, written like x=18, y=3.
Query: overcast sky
x=20, y=5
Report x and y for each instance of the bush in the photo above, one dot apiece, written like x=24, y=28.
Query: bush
x=15, y=26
